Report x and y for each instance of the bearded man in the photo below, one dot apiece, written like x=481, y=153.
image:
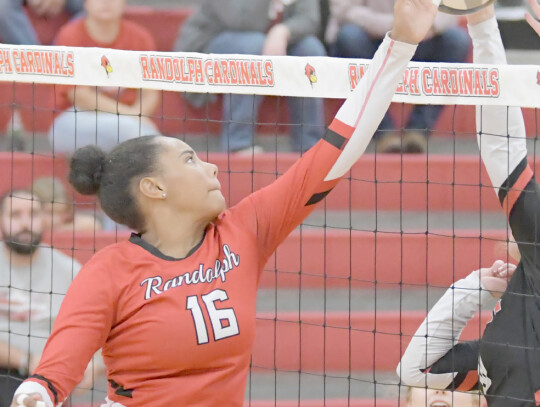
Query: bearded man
x=33, y=281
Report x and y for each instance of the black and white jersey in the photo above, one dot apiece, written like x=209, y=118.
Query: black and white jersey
x=510, y=346
x=505, y=363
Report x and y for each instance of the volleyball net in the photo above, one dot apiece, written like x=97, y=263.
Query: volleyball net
x=341, y=297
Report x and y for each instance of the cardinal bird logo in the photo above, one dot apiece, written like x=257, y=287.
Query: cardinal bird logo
x=538, y=78
x=106, y=64
x=311, y=74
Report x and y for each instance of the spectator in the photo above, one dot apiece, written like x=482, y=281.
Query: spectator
x=121, y=113
x=356, y=29
x=30, y=292
x=264, y=27
x=16, y=27
x=58, y=210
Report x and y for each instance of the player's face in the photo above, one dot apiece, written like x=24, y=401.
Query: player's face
x=191, y=184
x=22, y=223
x=441, y=398
x=105, y=10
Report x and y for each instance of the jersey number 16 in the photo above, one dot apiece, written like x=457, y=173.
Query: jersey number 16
x=223, y=320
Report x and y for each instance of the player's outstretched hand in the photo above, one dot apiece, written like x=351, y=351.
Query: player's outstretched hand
x=485, y=13
x=495, y=278
x=27, y=400
x=530, y=19
x=413, y=20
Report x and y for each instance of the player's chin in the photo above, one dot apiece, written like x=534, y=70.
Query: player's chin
x=217, y=202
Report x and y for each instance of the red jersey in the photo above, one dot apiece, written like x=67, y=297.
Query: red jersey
x=131, y=36
x=179, y=332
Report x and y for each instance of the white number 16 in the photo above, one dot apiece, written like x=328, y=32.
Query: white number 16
x=217, y=316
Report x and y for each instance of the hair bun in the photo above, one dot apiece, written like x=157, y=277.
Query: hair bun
x=86, y=169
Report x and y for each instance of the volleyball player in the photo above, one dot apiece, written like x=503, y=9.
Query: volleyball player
x=505, y=363
x=174, y=307
x=441, y=330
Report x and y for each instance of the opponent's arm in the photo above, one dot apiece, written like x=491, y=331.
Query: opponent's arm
x=434, y=358
x=501, y=137
x=530, y=19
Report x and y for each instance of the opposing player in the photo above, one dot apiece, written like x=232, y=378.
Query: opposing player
x=174, y=307
x=429, y=349
x=506, y=361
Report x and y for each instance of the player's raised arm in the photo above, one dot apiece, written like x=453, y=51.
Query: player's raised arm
x=283, y=205
x=501, y=138
x=434, y=358
x=530, y=19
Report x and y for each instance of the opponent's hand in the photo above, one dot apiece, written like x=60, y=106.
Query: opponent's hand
x=413, y=20
x=530, y=19
x=481, y=15
x=495, y=278
x=32, y=400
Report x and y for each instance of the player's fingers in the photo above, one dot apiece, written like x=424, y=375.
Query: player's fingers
x=511, y=268
x=535, y=7
x=28, y=400
x=497, y=264
x=25, y=400
x=533, y=23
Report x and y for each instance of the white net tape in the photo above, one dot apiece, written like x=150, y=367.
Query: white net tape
x=423, y=83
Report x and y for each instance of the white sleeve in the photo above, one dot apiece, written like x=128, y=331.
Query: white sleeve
x=440, y=331
x=364, y=109
x=500, y=129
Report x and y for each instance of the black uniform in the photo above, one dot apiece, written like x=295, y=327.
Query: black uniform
x=507, y=357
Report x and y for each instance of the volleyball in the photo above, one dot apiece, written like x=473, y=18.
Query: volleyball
x=462, y=6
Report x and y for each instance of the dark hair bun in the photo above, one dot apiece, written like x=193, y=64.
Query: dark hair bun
x=86, y=169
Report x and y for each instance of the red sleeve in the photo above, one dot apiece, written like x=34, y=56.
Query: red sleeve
x=81, y=329
x=280, y=207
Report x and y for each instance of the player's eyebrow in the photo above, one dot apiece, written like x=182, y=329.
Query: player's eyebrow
x=187, y=152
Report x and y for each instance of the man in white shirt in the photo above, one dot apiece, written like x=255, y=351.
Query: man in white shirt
x=33, y=281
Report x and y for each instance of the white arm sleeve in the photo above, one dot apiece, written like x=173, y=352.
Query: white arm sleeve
x=501, y=130
x=366, y=106
x=440, y=331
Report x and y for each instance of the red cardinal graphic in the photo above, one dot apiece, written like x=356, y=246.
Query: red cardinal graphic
x=311, y=74
x=538, y=77
x=105, y=63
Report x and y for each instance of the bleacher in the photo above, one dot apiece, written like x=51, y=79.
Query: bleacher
x=366, y=342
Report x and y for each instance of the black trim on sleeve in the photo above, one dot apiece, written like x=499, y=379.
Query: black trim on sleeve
x=119, y=389
x=337, y=140
x=49, y=385
x=511, y=180
x=316, y=198
x=461, y=359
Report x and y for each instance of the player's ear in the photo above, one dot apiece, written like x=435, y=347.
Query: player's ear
x=151, y=188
